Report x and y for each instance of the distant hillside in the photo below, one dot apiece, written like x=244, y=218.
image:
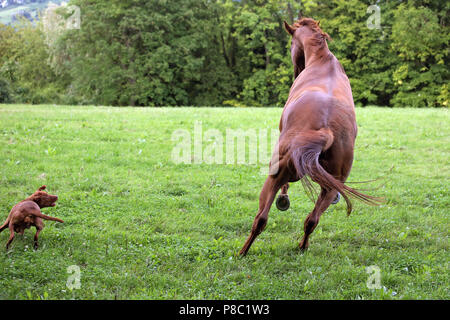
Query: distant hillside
x=10, y=10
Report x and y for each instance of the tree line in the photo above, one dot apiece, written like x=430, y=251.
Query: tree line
x=222, y=52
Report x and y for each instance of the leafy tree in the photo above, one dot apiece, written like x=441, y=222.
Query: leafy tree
x=256, y=46
x=5, y=91
x=138, y=52
x=215, y=52
x=24, y=66
x=421, y=77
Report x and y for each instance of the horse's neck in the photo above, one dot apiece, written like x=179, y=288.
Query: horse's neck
x=320, y=67
x=316, y=55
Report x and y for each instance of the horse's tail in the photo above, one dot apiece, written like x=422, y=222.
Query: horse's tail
x=305, y=150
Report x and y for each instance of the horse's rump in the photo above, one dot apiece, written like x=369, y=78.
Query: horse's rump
x=304, y=152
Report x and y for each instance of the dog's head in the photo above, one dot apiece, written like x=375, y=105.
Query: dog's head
x=43, y=199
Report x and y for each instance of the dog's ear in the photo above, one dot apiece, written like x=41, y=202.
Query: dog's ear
x=42, y=188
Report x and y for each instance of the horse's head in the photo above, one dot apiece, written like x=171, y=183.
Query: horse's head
x=305, y=32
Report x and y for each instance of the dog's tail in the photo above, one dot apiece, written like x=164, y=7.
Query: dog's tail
x=43, y=216
x=305, y=150
x=5, y=225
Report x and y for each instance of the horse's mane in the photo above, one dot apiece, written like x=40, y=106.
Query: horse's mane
x=320, y=37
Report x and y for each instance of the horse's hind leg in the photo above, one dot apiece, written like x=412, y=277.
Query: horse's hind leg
x=337, y=161
x=283, y=202
x=266, y=198
x=326, y=197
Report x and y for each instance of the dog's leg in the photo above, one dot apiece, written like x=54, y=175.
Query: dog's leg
x=45, y=217
x=39, y=227
x=36, y=244
x=11, y=236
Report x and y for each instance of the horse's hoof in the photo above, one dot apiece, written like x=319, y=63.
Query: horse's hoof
x=337, y=199
x=283, y=202
x=303, y=247
x=303, y=250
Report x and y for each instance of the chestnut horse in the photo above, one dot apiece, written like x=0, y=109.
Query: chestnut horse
x=317, y=132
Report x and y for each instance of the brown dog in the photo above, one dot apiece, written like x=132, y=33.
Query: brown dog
x=27, y=213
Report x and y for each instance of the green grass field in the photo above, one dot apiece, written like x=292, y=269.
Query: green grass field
x=142, y=227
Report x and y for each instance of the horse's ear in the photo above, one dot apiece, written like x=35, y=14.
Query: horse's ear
x=318, y=23
x=42, y=188
x=289, y=28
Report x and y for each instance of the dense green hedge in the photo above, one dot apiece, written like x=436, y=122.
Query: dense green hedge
x=200, y=52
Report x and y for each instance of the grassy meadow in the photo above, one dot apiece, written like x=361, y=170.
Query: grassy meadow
x=140, y=226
